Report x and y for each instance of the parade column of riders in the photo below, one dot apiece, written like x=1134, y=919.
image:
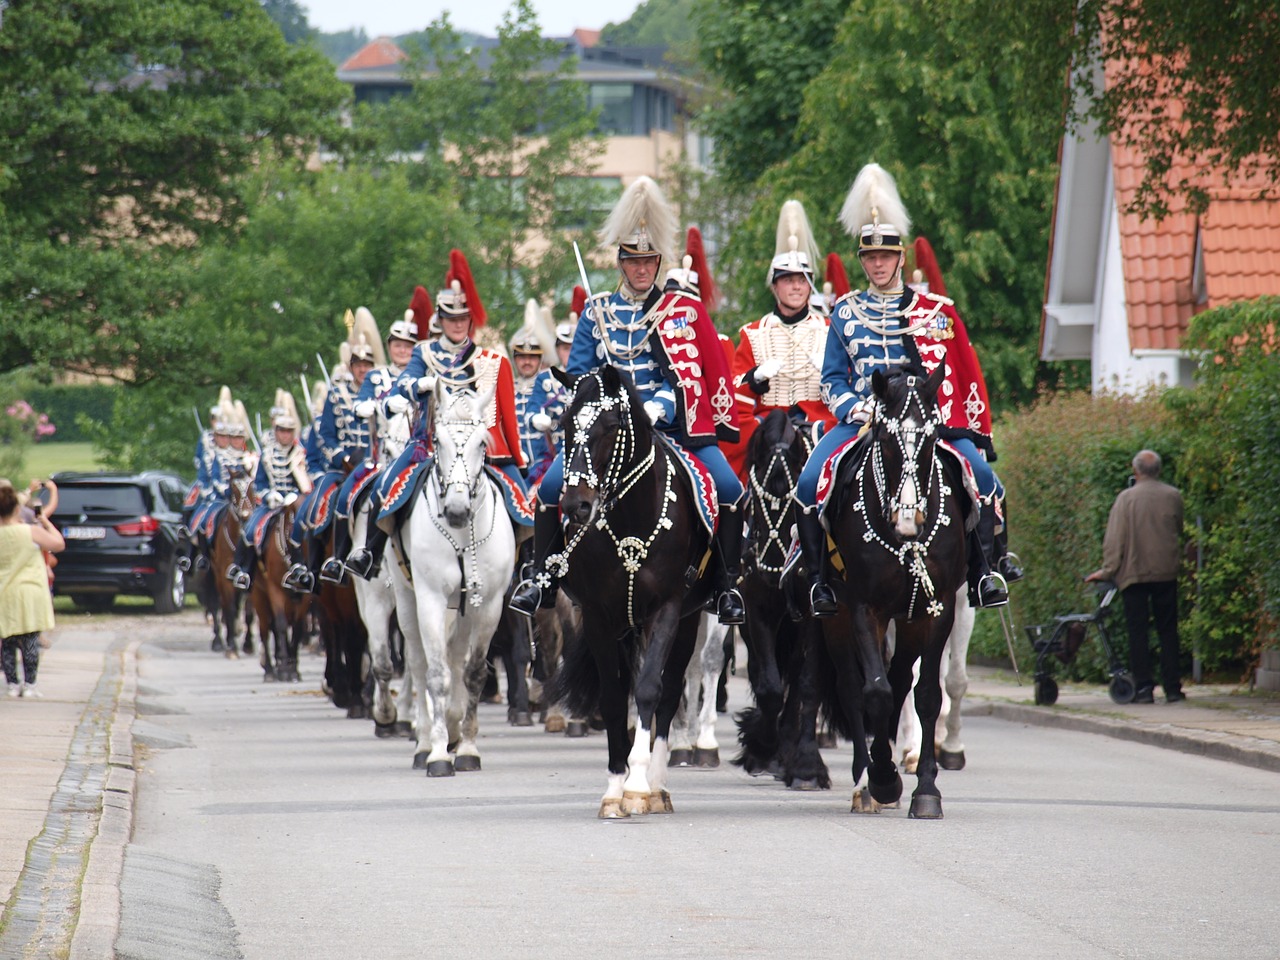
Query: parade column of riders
x=813, y=355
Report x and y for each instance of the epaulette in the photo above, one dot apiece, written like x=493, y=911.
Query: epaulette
x=937, y=298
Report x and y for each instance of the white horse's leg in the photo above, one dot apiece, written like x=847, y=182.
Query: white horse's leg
x=635, y=789
x=955, y=685
x=415, y=665
x=376, y=602
x=706, y=751
x=684, y=725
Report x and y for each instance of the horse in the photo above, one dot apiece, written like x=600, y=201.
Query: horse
x=456, y=554
x=693, y=731
x=634, y=549
x=282, y=614
x=778, y=735
x=222, y=549
x=345, y=639
x=898, y=521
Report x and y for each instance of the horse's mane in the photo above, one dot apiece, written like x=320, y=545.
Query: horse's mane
x=588, y=388
x=770, y=432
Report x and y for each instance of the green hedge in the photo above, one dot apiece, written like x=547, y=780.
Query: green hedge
x=66, y=405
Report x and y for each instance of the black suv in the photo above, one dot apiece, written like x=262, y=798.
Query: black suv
x=122, y=532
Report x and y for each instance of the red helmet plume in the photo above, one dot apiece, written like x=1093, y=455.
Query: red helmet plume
x=460, y=271
x=579, y=301
x=420, y=307
x=706, y=283
x=836, y=276
x=927, y=264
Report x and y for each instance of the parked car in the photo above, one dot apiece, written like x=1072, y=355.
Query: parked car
x=122, y=532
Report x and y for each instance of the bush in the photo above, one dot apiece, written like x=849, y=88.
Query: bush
x=66, y=405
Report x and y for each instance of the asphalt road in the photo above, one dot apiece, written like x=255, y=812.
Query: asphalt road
x=269, y=826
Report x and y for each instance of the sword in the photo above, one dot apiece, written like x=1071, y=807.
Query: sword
x=323, y=369
x=306, y=393
x=582, y=271
x=196, y=413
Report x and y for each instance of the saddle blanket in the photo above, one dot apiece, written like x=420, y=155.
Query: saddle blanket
x=260, y=523
x=206, y=517
x=360, y=480
x=397, y=493
x=704, y=487
x=322, y=504
x=831, y=469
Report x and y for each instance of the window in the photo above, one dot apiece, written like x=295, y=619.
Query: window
x=615, y=101
x=583, y=203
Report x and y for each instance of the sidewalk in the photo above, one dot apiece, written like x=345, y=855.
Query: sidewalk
x=67, y=780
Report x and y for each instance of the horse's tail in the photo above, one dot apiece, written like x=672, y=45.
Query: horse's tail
x=830, y=710
x=576, y=685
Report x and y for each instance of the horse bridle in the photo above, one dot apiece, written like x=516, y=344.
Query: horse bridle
x=911, y=554
x=773, y=508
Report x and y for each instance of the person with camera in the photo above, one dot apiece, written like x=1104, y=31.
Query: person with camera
x=26, y=605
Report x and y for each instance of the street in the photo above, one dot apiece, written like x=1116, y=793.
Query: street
x=270, y=826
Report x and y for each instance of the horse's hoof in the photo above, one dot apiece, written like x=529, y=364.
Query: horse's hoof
x=523, y=718
x=890, y=791
x=863, y=802
x=951, y=760
x=925, y=806
x=403, y=729
x=635, y=804
x=420, y=761
x=217, y=646
x=232, y=653
x=680, y=757
x=611, y=809
x=909, y=765
x=805, y=786
x=660, y=802
x=775, y=769
x=554, y=725
x=384, y=731
x=466, y=763
x=827, y=740
x=268, y=676
x=706, y=757
x=576, y=728
x=357, y=711
x=440, y=768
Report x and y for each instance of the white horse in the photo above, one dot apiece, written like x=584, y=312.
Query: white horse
x=376, y=599
x=955, y=683
x=693, y=731
x=459, y=551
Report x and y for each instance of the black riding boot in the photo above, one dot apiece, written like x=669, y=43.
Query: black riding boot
x=334, y=569
x=1007, y=564
x=986, y=588
x=538, y=588
x=241, y=565
x=366, y=561
x=729, y=607
x=813, y=545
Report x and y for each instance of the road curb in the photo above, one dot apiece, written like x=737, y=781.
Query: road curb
x=99, y=916
x=1233, y=748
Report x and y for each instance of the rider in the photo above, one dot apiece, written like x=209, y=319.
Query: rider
x=401, y=339
x=527, y=353
x=457, y=360
x=555, y=395
x=667, y=344
x=230, y=458
x=342, y=442
x=889, y=327
x=282, y=473
x=778, y=363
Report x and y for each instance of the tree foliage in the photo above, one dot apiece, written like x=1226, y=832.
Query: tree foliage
x=655, y=23
x=127, y=130
x=508, y=131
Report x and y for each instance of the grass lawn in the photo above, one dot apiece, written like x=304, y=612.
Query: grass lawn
x=45, y=459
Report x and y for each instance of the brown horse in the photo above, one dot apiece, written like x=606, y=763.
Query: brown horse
x=346, y=641
x=226, y=534
x=282, y=614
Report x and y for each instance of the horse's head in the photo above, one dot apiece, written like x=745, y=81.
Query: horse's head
x=394, y=431
x=461, y=435
x=240, y=485
x=606, y=433
x=776, y=453
x=905, y=426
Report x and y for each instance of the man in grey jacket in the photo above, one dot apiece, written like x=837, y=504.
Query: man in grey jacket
x=1141, y=553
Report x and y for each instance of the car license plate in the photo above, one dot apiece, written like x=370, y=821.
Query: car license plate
x=84, y=533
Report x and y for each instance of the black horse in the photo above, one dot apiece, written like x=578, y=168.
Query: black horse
x=778, y=734
x=634, y=547
x=899, y=525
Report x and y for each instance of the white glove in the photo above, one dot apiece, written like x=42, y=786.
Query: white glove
x=861, y=412
x=426, y=384
x=653, y=410
x=364, y=409
x=768, y=369
x=540, y=422
x=273, y=499
x=397, y=404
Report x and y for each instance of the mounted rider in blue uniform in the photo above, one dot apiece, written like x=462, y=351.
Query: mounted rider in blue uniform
x=377, y=387
x=666, y=343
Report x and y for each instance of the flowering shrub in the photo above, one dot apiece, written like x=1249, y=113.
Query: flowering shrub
x=20, y=426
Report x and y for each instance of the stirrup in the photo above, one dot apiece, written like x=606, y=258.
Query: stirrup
x=993, y=591
x=526, y=599
x=184, y=564
x=202, y=564
x=1010, y=567
x=822, y=600
x=333, y=571
x=233, y=571
x=729, y=608
x=299, y=579
x=361, y=564
x=241, y=581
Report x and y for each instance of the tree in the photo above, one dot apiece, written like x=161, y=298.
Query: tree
x=127, y=128
x=509, y=130
x=917, y=87
x=290, y=18
x=655, y=23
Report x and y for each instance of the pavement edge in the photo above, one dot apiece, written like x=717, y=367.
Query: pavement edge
x=99, y=916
